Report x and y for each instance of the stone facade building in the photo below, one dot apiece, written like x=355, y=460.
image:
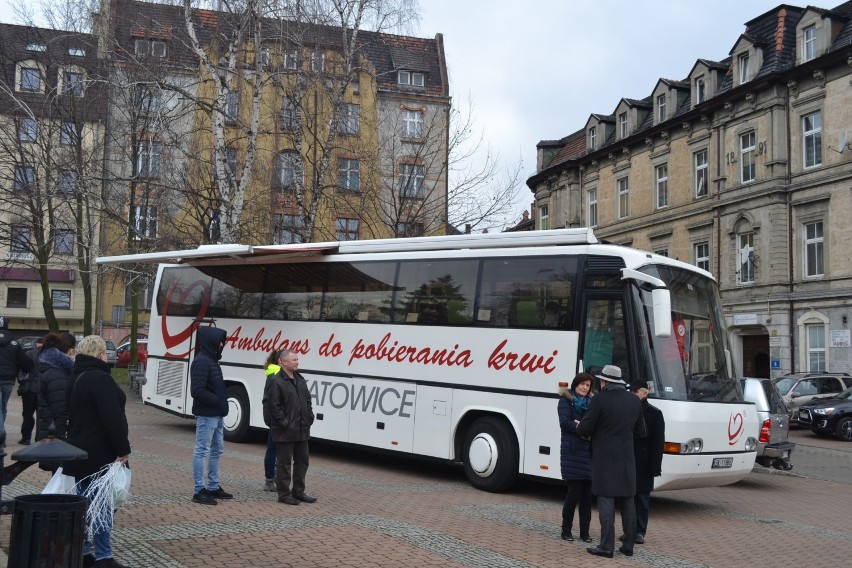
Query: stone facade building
x=744, y=168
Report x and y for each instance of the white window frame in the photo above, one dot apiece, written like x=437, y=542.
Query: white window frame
x=73, y=82
x=809, y=43
x=593, y=138
x=593, y=207
x=58, y=299
x=350, y=119
x=544, y=217
x=317, y=61
x=701, y=253
x=700, y=162
x=745, y=258
x=68, y=134
x=20, y=240
x=347, y=229
x=412, y=124
x=289, y=114
x=67, y=183
x=288, y=169
x=661, y=108
x=816, y=349
x=661, y=187
x=286, y=229
x=27, y=129
x=410, y=78
x=145, y=222
x=232, y=106
x=27, y=76
x=63, y=241
x=349, y=174
x=25, y=178
x=622, y=124
x=700, y=89
x=623, y=189
x=812, y=140
x=149, y=159
x=150, y=102
x=409, y=230
x=291, y=59
x=813, y=249
x=748, y=162
x=743, y=67
x=412, y=179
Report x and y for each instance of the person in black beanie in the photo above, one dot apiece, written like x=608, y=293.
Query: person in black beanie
x=13, y=361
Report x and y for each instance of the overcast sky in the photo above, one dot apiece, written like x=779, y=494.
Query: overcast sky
x=536, y=69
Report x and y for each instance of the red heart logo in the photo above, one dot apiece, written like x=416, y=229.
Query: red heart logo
x=735, y=428
x=173, y=340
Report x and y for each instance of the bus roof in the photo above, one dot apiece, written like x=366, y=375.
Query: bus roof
x=449, y=242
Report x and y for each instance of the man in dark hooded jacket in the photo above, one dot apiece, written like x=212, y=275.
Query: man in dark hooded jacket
x=209, y=406
x=13, y=360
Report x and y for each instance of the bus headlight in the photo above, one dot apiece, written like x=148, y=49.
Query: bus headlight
x=751, y=444
x=693, y=446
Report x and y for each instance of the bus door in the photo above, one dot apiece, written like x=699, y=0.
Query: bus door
x=604, y=333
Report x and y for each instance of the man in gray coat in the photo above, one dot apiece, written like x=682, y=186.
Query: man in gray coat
x=610, y=423
x=288, y=412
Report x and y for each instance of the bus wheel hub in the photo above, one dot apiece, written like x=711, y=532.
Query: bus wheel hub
x=483, y=454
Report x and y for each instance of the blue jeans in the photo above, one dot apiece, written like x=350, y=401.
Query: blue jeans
x=101, y=537
x=643, y=508
x=5, y=393
x=269, y=458
x=209, y=445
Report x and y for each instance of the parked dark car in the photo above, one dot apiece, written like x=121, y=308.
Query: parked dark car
x=798, y=389
x=829, y=416
x=773, y=447
x=28, y=341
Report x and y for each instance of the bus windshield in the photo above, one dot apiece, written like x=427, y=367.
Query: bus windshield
x=694, y=362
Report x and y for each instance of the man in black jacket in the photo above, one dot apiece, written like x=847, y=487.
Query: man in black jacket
x=288, y=412
x=13, y=361
x=614, y=416
x=648, y=452
x=210, y=407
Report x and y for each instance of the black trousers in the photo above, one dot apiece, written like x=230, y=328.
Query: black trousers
x=579, y=492
x=606, y=512
x=29, y=401
x=291, y=466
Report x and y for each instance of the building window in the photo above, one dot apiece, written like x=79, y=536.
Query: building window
x=593, y=138
x=27, y=130
x=148, y=159
x=347, y=229
x=150, y=102
x=622, y=125
x=287, y=229
x=349, y=174
x=144, y=292
x=543, y=219
x=231, y=161
x=662, y=252
x=813, y=250
x=745, y=258
x=812, y=139
x=289, y=115
x=809, y=43
x=61, y=299
x=73, y=83
x=700, y=90
x=411, y=178
x=39, y=47
x=76, y=52
x=816, y=347
x=662, y=185
x=317, y=61
x=288, y=168
x=748, y=168
x=291, y=59
x=67, y=182
x=144, y=222
x=410, y=78
x=68, y=134
x=30, y=79
x=661, y=108
x=702, y=256
x=16, y=297
x=742, y=61
x=623, y=198
x=25, y=179
x=153, y=48
x=412, y=124
x=63, y=241
x=21, y=240
x=232, y=106
x=409, y=230
x=593, y=207
x=700, y=159
x=350, y=119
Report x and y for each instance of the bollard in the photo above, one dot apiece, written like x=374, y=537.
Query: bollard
x=47, y=531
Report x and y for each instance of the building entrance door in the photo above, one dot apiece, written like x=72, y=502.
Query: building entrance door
x=756, y=356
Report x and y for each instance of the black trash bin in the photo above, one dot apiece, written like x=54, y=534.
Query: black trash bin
x=47, y=531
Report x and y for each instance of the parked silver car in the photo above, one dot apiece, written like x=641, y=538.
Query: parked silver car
x=111, y=356
x=773, y=447
x=799, y=388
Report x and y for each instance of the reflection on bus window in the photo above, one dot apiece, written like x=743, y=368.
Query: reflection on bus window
x=527, y=292
x=183, y=292
x=605, y=341
x=360, y=292
x=294, y=291
x=436, y=293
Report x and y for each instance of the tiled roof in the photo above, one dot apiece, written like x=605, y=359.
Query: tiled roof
x=575, y=146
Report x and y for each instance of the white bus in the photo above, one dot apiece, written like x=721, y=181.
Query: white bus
x=453, y=347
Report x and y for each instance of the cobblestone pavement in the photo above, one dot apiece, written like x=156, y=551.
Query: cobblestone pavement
x=381, y=510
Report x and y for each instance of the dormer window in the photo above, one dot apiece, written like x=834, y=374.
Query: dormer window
x=40, y=47
x=742, y=63
x=661, y=108
x=809, y=42
x=76, y=52
x=410, y=78
x=622, y=125
x=700, y=90
x=149, y=47
x=593, y=137
x=30, y=79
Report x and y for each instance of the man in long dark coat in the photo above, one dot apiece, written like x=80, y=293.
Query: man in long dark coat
x=648, y=452
x=613, y=418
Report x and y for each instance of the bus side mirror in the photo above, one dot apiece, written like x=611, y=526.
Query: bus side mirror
x=662, y=304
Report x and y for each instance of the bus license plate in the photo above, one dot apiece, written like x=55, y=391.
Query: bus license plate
x=721, y=463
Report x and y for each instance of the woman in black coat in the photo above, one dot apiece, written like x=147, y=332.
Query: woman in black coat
x=55, y=366
x=97, y=424
x=574, y=457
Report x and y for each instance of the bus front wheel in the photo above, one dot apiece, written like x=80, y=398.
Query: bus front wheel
x=237, y=421
x=491, y=454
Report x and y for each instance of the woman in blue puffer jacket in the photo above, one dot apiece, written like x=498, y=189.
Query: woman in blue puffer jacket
x=575, y=457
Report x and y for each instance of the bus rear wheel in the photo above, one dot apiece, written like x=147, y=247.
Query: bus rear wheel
x=237, y=421
x=491, y=454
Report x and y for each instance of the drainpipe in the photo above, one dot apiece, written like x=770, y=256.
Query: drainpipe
x=789, y=203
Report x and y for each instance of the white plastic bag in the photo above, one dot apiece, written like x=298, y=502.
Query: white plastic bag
x=60, y=483
x=108, y=489
x=120, y=486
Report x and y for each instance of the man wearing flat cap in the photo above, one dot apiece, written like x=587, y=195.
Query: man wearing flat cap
x=613, y=418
